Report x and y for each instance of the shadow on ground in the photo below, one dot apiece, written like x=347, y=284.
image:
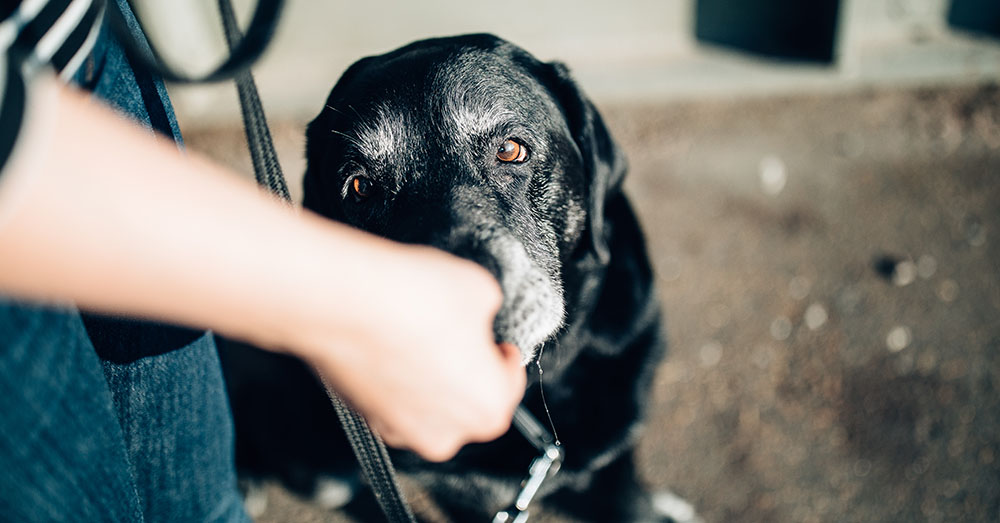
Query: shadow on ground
x=829, y=269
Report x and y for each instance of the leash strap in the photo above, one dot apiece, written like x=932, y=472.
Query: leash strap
x=367, y=446
x=242, y=55
x=266, y=168
x=374, y=460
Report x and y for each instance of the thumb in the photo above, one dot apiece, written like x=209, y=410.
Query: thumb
x=512, y=360
x=510, y=354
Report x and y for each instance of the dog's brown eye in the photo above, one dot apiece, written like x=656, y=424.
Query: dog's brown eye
x=361, y=186
x=512, y=152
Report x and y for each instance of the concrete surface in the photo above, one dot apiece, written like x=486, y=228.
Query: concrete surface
x=808, y=382
x=828, y=265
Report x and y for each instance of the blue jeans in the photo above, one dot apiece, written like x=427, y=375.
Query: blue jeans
x=105, y=419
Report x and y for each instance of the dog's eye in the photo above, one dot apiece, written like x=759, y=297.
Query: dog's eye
x=361, y=187
x=512, y=152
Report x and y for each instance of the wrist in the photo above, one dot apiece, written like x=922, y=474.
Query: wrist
x=326, y=289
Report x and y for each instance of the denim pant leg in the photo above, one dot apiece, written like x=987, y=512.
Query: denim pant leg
x=166, y=382
x=62, y=452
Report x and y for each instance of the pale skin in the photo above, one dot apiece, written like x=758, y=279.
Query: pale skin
x=115, y=220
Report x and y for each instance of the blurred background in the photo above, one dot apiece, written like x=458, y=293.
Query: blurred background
x=819, y=186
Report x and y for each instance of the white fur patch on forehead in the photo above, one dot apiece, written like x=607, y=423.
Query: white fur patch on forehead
x=382, y=135
x=473, y=114
x=474, y=94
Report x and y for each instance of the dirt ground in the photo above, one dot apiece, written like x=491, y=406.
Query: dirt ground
x=829, y=272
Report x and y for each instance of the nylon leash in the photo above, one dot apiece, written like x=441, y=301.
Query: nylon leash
x=368, y=448
x=266, y=168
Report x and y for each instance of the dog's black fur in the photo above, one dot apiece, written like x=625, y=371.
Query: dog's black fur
x=422, y=125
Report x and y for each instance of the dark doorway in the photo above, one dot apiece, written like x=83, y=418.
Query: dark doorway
x=979, y=16
x=783, y=29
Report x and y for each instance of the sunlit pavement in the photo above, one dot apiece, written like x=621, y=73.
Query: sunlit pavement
x=828, y=265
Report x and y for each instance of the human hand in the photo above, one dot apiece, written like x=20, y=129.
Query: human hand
x=403, y=333
x=417, y=356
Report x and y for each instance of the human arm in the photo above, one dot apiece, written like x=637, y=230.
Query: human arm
x=115, y=220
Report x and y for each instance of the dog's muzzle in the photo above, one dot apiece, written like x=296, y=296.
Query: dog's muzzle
x=533, y=307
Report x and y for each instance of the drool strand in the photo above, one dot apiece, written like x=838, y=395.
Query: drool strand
x=545, y=404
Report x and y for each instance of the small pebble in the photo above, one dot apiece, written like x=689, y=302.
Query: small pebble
x=849, y=300
x=926, y=266
x=762, y=356
x=676, y=508
x=710, y=354
x=975, y=233
x=333, y=493
x=781, y=328
x=948, y=291
x=885, y=266
x=927, y=362
x=798, y=288
x=816, y=316
x=904, y=364
x=773, y=174
x=904, y=273
x=899, y=338
x=862, y=468
x=949, y=488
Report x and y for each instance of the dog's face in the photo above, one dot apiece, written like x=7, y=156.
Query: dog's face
x=466, y=144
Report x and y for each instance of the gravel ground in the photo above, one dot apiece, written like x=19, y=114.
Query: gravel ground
x=829, y=271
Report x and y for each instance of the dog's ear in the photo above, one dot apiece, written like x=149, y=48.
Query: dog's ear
x=603, y=161
x=314, y=184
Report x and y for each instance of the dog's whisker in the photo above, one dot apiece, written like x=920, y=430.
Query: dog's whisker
x=334, y=109
x=348, y=137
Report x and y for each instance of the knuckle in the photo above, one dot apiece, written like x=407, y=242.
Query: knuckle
x=489, y=286
x=495, y=424
x=440, y=451
x=391, y=438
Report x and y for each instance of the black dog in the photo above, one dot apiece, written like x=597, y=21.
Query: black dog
x=472, y=145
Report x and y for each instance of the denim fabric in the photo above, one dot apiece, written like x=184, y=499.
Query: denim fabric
x=178, y=432
x=106, y=419
x=62, y=452
x=137, y=94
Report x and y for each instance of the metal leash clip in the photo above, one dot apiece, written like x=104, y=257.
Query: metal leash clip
x=541, y=468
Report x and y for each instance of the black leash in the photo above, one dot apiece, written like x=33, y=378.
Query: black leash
x=266, y=168
x=367, y=446
x=245, y=52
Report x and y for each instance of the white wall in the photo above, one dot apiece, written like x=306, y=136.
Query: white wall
x=624, y=50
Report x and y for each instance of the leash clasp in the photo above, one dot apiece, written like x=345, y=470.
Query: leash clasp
x=543, y=467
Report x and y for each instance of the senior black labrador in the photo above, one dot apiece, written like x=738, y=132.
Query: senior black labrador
x=472, y=145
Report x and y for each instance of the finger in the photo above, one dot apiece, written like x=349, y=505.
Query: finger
x=512, y=359
x=388, y=437
x=510, y=353
x=439, y=452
